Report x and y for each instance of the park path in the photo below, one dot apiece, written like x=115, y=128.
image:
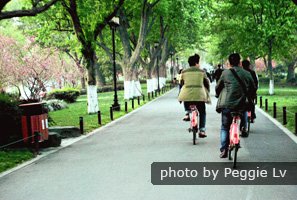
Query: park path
x=115, y=163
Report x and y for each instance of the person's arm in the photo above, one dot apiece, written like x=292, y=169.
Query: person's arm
x=182, y=82
x=206, y=82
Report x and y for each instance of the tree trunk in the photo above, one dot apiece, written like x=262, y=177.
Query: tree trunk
x=83, y=82
x=271, y=82
x=90, y=58
x=100, y=77
x=291, y=70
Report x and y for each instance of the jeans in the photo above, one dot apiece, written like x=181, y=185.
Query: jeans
x=202, y=113
x=226, y=123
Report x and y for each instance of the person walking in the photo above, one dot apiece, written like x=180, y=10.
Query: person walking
x=195, y=91
x=231, y=97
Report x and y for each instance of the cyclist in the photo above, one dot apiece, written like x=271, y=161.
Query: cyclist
x=218, y=72
x=246, y=65
x=231, y=97
x=195, y=91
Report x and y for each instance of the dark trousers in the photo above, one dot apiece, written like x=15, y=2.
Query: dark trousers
x=202, y=113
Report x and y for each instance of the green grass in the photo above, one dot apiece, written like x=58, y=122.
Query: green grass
x=70, y=116
x=9, y=159
x=284, y=96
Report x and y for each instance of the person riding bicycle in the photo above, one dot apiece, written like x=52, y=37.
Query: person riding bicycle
x=195, y=91
x=231, y=97
x=247, y=66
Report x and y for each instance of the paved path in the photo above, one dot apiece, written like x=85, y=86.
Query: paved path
x=115, y=162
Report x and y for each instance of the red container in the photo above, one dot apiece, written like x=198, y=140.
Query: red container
x=34, y=119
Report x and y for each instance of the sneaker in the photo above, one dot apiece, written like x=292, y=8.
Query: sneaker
x=202, y=134
x=224, y=154
x=186, y=118
x=244, y=133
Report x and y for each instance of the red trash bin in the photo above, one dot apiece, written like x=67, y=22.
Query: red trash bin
x=34, y=119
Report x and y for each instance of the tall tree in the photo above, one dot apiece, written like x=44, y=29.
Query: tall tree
x=87, y=26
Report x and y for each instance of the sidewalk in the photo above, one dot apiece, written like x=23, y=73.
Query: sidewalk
x=115, y=163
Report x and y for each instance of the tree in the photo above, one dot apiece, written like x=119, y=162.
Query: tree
x=36, y=7
x=87, y=26
x=34, y=68
x=262, y=28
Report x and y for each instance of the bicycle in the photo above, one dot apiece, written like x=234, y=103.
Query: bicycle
x=194, y=122
x=234, y=137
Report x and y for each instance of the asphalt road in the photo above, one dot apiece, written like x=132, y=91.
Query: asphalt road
x=115, y=163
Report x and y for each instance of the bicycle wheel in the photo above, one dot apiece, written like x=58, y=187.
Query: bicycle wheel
x=235, y=155
x=194, y=136
x=229, y=153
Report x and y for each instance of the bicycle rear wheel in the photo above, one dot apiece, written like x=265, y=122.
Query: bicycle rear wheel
x=194, y=136
x=236, y=147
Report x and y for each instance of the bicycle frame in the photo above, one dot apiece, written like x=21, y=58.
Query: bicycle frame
x=234, y=131
x=234, y=138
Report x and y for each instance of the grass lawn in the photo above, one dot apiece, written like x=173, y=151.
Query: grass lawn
x=9, y=159
x=284, y=96
x=70, y=117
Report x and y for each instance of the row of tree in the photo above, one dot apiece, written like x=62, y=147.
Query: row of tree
x=255, y=28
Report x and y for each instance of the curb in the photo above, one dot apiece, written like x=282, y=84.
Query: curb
x=278, y=124
x=71, y=141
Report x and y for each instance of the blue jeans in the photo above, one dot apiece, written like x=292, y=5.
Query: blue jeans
x=226, y=123
x=202, y=113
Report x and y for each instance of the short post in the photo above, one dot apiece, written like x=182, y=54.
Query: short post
x=111, y=113
x=296, y=123
x=138, y=100
x=133, y=103
x=149, y=96
x=152, y=94
x=274, y=110
x=266, y=104
x=156, y=93
x=81, y=125
x=143, y=97
x=126, y=106
x=99, y=117
x=36, y=142
x=261, y=102
x=284, y=115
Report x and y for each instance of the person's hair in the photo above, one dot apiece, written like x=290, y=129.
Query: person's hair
x=219, y=66
x=193, y=60
x=246, y=64
x=234, y=59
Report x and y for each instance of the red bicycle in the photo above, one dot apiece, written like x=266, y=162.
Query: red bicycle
x=234, y=137
x=194, y=122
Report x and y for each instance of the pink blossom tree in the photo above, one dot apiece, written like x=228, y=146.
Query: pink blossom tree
x=33, y=67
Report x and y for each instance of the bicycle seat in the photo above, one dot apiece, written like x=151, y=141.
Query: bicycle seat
x=235, y=114
x=193, y=107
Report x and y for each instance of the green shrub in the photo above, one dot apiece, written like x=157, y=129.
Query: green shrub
x=55, y=104
x=67, y=94
x=10, y=119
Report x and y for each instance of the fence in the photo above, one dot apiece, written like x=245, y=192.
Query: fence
x=285, y=112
